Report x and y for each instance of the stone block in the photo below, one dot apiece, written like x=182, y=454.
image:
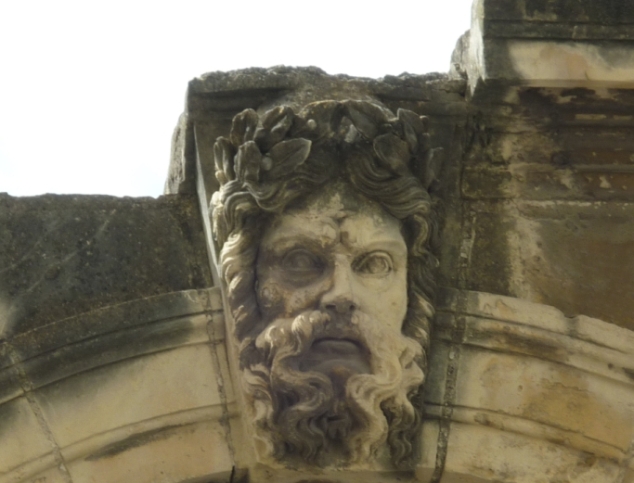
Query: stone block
x=478, y=454
x=114, y=376
x=10, y=386
x=429, y=451
x=550, y=396
x=66, y=255
x=586, y=408
x=121, y=394
x=51, y=475
x=555, y=43
x=617, y=12
x=196, y=452
x=436, y=382
x=125, y=344
x=24, y=445
x=576, y=257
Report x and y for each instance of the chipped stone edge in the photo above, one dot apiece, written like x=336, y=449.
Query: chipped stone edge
x=539, y=316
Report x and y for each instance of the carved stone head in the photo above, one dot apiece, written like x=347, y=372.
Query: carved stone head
x=323, y=230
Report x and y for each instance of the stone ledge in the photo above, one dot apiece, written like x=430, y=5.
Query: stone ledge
x=560, y=43
x=88, y=392
x=516, y=384
x=609, y=12
x=66, y=347
x=539, y=316
x=64, y=255
x=214, y=98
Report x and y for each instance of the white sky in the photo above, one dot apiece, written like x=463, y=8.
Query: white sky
x=90, y=90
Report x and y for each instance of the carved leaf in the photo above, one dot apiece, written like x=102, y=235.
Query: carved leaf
x=281, y=128
x=275, y=125
x=433, y=162
x=423, y=138
x=424, y=141
x=273, y=117
x=317, y=119
x=352, y=135
x=413, y=128
x=393, y=152
x=248, y=162
x=366, y=117
x=243, y=127
x=288, y=155
x=223, y=160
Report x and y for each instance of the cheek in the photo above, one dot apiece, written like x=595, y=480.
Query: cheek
x=390, y=306
x=270, y=297
x=302, y=299
x=279, y=300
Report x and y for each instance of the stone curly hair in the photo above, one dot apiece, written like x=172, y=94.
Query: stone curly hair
x=272, y=161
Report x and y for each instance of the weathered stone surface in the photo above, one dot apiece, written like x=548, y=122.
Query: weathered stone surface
x=519, y=392
x=181, y=178
x=548, y=215
x=124, y=393
x=584, y=19
x=113, y=360
x=549, y=44
x=319, y=222
x=69, y=347
x=52, y=475
x=214, y=98
x=575, y=256
x=537, y=163
x=64, y=255
x=24, y=441
x=110, y=393
x=195, y=452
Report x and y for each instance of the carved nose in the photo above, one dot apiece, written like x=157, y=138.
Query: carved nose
x=340, y=297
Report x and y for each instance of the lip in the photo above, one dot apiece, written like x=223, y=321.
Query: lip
x=336, y=346
x=338, y=357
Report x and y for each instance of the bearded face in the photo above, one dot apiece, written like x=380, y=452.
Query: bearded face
x=331, y=376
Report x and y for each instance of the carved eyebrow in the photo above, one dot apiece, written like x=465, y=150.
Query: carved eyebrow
x=285, y=244
x=386, y=244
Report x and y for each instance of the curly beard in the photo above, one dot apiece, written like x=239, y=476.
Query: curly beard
x=308, y=409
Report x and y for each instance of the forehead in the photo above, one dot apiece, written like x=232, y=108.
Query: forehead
x=335, y=214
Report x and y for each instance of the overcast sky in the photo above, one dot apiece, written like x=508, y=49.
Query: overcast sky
x=90, y=90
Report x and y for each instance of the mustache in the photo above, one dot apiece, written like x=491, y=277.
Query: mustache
x=294, y=336
x=306, y=414
x=285, y=338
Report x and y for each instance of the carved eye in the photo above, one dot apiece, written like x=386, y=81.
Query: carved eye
x=375, y=263
x=302, y=261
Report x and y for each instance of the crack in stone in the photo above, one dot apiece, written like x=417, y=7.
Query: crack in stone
x=220, y=383
x=27, y=387
x=26, y=256
x=628, y=463
x=466, y=245
x=10, y=308
x=449, y=396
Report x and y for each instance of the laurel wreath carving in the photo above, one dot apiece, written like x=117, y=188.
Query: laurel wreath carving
x=263, y=148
